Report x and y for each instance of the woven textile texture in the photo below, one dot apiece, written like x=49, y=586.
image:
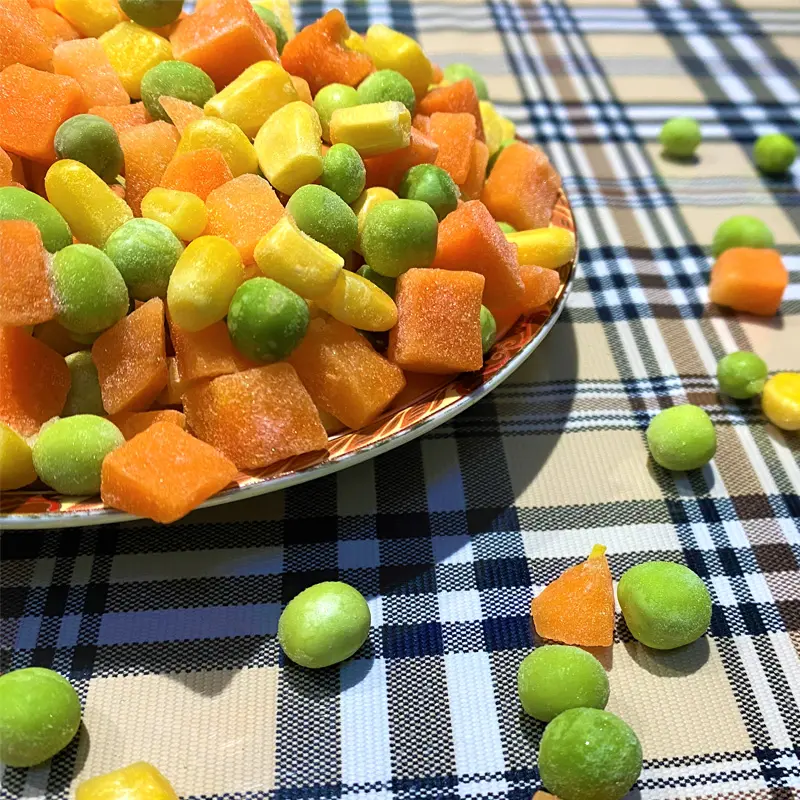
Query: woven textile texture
x=169, y=633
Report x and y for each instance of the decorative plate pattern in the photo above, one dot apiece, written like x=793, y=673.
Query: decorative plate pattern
x=434, y=401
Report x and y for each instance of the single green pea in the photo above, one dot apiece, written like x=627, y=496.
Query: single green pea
x=324, y=624
x=741, y=375
x=431, y=185
x=682, y=438
x=488, y=329
x=741, y=231
x=457, y=72
x=325, y=217
x=271, y=19
x=266, y=320
x=399, y=235
x=506, y=228
x=40, y=713
x=774, y=153
x=493, y=158
x=665, y=605
x=175, y=79
x=343, y=172
x=331, y=98
x=589, y=754
x=93, y=141
x=556, y=677
x=91, y=293
x=68, y=453
x=389, y=285
x=680, y=137
x=16, y=203
x=84, y=396
x=385, y=85
x=152, y=13
x=145, y=253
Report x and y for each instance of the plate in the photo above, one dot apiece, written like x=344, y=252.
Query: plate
x=427, y=402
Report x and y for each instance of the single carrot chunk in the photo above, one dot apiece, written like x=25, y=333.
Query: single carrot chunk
x=22, y=39
x=55, y=27
x=223, y=38
x=388, y=170
x=132, y=423
x=32, y=106
x=147, y=150
x=208, y=353
x=318, y=55
x=522, y=187
x=457, y=98
x=6, y=169
x=123, y=117
x=198, y=171
x=455, y=135
x=750, y=280
x=131, y=359
x=163, y=473
x=181, y=112
x=578, y=607
x=25, y=294
x=86, y=61
x=34, y=380
x=479, y=159
x=422, y=123
x=256, y=417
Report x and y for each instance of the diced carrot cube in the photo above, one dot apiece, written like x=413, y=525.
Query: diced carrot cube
x=198, y=171
x=163, y=473
x=472, y=186
x=22, y=39
x=388, y=170
x=422, y=123
x=181, y=112
x=208, y=353
x=132, y=423
x=48, y=4
x=131, y=359
x=55, y=27
x=86, y=61
x=35, y=381
x=748, y=279
x=147, y=150
x=455, y=135
x=123, y=117
x=457, y=98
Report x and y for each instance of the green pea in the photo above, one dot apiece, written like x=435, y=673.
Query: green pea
x=69, y=452
x=385, y=85
x=556, y=677
x=16, y=203
x=457, y=72
x=145, y=253
x=325, y=217
x=589, y=754
x=324, y=624
x=741, y=231
x=682, y=438
x=389, y=285
x=741, y=375
x=152, y=13
x=271, y=19
x=331, y=98
x=40, y=713
x=84, y=396
x=665, y=605
x=92, y=141
x=399, y=235
x=488, y=329
x=266, y=320
x=493, y=158
x=343, y=172
x=92, y=294
x=680, y=137
x=431, y=185
x=506, y=228
x=774, y=153
x=175, y=79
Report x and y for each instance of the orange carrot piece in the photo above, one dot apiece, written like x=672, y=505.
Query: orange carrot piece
x=457, y=98
x=147, y=149
x=472, y=186
x=123, y=117
x=388, y=170
x=181, y=112
x=131, y=423
x=22, y=38
x=198, y=171
x=208, y=353
x=455, y=135
x=55, y=27
x=750, y=280
x=86, y=61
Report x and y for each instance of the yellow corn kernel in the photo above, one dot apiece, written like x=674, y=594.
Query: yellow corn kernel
x=132, y=50
x=360, y=303
x=91, y=17
x=780, y=400
x=355, y=41
x=92, y=211
x=16, y=461
x=139, y=781
x=202, y=285
x=549, y=248
x=492, y=127
x=507, y=127
x=373, y=129
x=303, y=265
x=289, y=147
x=236, y=148
x=390, y=49
x=366, y=202
x=183, y=213
x=252, y=98
x=283, y=11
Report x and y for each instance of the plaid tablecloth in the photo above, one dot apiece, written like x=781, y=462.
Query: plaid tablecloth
x=169, y=633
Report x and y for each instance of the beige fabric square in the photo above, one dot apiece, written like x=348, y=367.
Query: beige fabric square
x=503, y=88
x=583, y=468
x=789, y=45
x=668, y=698
x=715, y=160
x=703, y=221
x=778, y=345
x=212, y=733
x=621, y=45
x=461, y=43
x=679, y=88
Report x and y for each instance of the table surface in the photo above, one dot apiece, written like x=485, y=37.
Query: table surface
x=169, y=633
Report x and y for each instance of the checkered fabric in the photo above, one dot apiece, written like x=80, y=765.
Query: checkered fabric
x=169, y=633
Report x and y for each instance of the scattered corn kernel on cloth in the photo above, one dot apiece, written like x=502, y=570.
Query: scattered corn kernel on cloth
x=169, y=633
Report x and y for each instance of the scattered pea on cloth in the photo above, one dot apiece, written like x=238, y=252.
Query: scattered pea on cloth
x=680, y=137
x=682, y=438
x=774, y=153
x=741, y=375
x=742, y=230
